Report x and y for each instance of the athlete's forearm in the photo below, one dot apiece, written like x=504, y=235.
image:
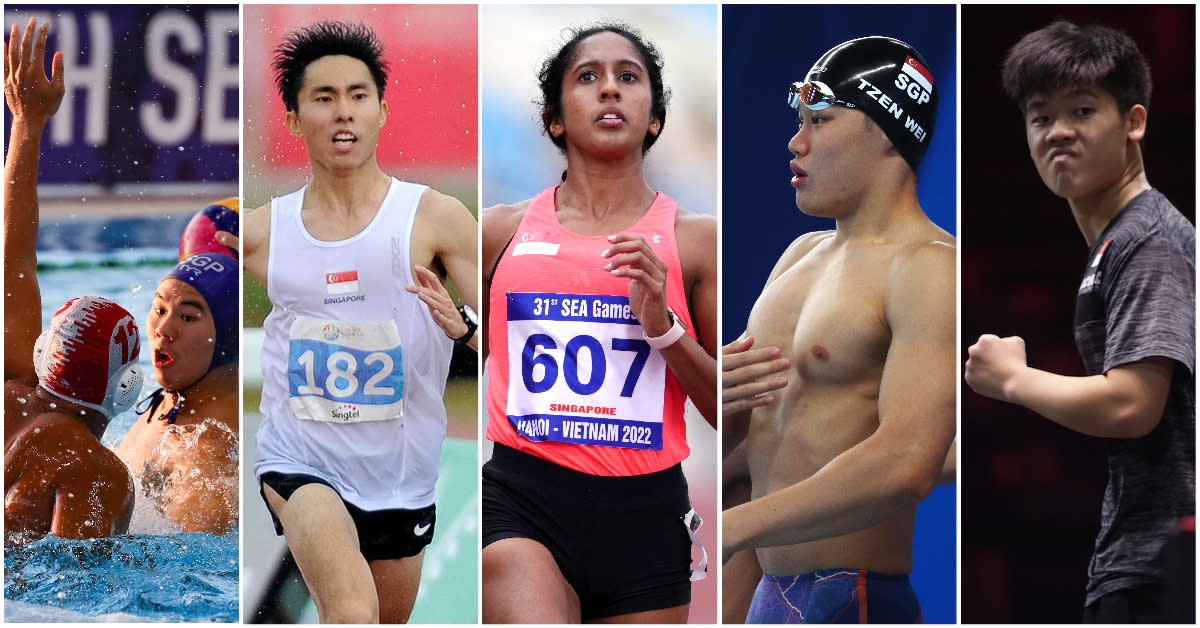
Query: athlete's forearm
x=867, y=485
x=1113, y=405
x=696, y=371
x=22, y=296
x=20, y=198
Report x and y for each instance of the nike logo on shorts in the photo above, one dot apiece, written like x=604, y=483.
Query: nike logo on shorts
x=420, y=530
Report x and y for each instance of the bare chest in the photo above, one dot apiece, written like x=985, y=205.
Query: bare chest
x=827, y=317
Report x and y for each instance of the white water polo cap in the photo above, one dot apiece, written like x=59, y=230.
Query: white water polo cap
x=89, y=356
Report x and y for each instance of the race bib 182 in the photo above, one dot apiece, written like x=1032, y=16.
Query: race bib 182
x=345, y=372
x=580, y=371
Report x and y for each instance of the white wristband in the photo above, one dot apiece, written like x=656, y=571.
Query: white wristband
x=673, y=334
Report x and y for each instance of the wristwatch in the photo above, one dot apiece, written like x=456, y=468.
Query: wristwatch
x=673, y=334
x=471, y=319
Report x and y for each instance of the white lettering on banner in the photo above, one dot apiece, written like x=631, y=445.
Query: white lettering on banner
x=199, y=101
x=164, y=27
x=94, y=78
x=220, y=77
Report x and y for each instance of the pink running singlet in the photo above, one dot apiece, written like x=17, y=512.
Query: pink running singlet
x=571, y=379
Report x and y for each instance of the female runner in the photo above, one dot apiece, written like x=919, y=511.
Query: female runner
x=601, y=321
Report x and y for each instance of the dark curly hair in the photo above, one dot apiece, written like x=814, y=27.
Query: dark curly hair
x=301, y=47
x=550, y=78
x=1063, y=54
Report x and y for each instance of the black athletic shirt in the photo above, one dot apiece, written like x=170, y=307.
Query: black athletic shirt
x=1136, y=301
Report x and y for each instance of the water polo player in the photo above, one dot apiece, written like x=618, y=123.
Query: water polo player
x=184, y=447
x=61, y=386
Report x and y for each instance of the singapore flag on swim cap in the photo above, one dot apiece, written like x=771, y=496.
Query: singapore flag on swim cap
x=918, y=73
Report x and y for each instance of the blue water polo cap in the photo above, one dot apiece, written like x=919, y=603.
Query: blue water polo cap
x=215, y=277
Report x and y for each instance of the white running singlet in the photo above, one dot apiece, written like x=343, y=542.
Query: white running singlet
x=354, y=366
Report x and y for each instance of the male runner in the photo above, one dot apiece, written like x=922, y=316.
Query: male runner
x=1084, y=94
x=862, y=317
x=63, y=386
x=354, y=362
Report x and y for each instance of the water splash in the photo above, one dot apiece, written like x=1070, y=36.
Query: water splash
x=170, y=479
x=184, y=577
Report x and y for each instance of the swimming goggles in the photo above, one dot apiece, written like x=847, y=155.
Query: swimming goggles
x=812, y=94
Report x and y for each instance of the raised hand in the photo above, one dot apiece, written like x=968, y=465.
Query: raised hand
x=30, y=94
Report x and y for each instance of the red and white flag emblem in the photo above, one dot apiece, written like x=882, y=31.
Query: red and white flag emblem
x=342, y=283
x=918, y=73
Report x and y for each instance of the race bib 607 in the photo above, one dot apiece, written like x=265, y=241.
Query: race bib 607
x=580, y=371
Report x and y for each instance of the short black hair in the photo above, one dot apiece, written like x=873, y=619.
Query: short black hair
x=301, y=47
x=1064, y=54
x=550, y=78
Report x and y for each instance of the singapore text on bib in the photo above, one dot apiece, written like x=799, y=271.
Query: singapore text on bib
x=581, y=372
x=345, y=372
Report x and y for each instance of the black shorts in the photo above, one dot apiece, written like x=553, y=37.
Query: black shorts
x=1145, y=604
x=382, y=534
x=619, y=541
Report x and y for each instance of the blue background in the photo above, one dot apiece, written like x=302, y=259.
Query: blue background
x=128, y=154
x=766, y=48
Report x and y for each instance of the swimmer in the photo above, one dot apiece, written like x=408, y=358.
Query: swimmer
x=840, y=396
x=184, y=447
x=586, y=512
x=63, y=386
x=1084, y=94
x=350, y=441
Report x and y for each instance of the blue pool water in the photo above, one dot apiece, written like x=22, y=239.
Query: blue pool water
x=155, y=573
x=168, y=578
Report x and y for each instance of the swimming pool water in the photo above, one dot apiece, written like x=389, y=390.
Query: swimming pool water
x=180, y=577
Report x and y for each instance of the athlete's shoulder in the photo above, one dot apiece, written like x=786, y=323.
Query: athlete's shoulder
x=440, y=203
x=931, y=250
x=58, y=438
x=798, y=250
x=54, y=427
x=222, y=408
x=501, y=214
x=499, y=222
x=689, y=223
x=259, y=216
x=927, y=269
x=803, y=245
x=256, y=224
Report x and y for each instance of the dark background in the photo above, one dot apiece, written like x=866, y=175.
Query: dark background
x=766, y=48
x=1031, y=490
x=128, y=154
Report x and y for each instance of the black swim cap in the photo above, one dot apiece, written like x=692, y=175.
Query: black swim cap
x=884, y=78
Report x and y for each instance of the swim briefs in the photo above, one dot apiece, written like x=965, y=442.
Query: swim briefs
x=835, y=596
